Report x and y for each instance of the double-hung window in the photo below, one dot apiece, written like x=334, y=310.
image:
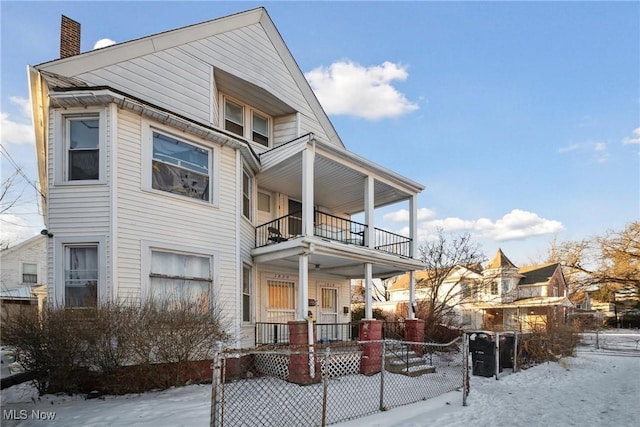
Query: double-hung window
x=82, y=137
x=246, y=194
x=81, y=275
x=180, y=167
x=246, y=293
x=236, y=118
x=177, y=278
x=29, y=273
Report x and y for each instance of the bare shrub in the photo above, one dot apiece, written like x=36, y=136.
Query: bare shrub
x=116, y=347
x=548, y=342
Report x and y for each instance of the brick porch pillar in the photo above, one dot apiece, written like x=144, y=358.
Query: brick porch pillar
x=414, y=332
x=300, y=371
x=371, y=361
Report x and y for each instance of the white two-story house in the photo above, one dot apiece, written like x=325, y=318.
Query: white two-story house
x=198, y=163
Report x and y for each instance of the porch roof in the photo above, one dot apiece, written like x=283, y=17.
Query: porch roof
x=530, y=302
x=339, y=176
x=334, y=258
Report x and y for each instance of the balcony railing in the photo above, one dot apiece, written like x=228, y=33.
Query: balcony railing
x=333, y=228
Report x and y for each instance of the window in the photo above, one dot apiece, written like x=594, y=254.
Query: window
x=506, y=284
x=260, y=129
x=180, y=277
x=246, y=195
x=246, y=293
x=264, y=202
x=494, y=288
x=180, y=168
x=235, y=117
x=29, y=273
x=81, y=275
x=82, y=136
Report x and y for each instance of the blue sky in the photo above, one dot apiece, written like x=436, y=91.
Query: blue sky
x=522, y=119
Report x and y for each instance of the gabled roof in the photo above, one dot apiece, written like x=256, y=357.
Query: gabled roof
x=422, y=277
x=500, y=260
x=35, y=240
x=537, y=273
x=63, y=69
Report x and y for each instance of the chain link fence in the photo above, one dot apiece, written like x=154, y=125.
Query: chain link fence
x=320, y=385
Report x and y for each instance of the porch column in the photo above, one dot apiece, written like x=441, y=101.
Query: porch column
x=413, y=225
x=303, y=287
x=308, y=156
x=370, y=235
x=368, y=285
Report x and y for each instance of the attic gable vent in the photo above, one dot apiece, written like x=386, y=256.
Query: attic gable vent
x=69, y=37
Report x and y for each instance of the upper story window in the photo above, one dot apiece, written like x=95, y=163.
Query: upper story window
x=180, y=167
x=83, y=145
x=236, y=116
x=29, y=273
x=246, y=194
x=80, y=150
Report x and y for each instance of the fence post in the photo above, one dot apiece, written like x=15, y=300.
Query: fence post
x=465, y=370
x=325, y=385
x=497, y=358
x=516, y=351
x=382, y=369
x=215, y=383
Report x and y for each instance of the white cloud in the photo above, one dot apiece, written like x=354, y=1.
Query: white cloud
x=13, y=132
x=103, y=43
x=517, y=224
x=348, y=88
x=24, y=104
x=634, y=139
x=568, y=148
x=402, y=215
x=601, y=153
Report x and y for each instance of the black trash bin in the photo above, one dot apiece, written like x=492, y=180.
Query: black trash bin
x=507, y=350
x=483, y=354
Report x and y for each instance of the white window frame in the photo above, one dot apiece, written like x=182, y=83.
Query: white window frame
x=59, y=260
x=22, y=273
x=247, y=126
x=149, y=246
x=248, y=292
x=62, y=145
x=247, y=195
x=147, y=163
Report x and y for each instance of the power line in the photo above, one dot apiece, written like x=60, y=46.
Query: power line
x=18, y=169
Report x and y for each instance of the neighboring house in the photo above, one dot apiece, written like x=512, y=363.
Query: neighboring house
x=500, y=297
x=23, y=274
x=197, y=163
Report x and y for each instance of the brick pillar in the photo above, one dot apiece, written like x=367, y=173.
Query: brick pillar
x=414, y=332
x=299, y=369
x=371, y=361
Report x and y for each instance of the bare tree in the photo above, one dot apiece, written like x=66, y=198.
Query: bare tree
x=611, y=259
x=450, y=263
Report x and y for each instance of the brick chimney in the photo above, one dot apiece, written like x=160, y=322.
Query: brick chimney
x=69, y=37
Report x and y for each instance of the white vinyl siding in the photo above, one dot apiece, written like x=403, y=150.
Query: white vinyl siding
x=163, y=220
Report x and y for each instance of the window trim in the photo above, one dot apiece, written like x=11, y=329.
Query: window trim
x=61, y=145
x=248, y=196
x=147, y=160
x=249, y=269
x=148, y=246
x=61, y=243
x=22, y=264
x=248, y=112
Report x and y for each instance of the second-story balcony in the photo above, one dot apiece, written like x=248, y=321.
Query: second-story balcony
x=333, y=228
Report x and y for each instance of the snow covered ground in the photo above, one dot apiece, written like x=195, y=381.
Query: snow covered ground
x=597, y=387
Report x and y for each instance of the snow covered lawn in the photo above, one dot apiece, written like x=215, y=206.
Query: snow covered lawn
x=595, y=388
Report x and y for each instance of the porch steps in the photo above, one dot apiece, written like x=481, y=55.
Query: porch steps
x=406, y=362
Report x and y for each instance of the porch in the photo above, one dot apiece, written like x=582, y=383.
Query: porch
x=331, y=227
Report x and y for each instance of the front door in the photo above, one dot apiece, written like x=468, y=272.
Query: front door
x=328, y=314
